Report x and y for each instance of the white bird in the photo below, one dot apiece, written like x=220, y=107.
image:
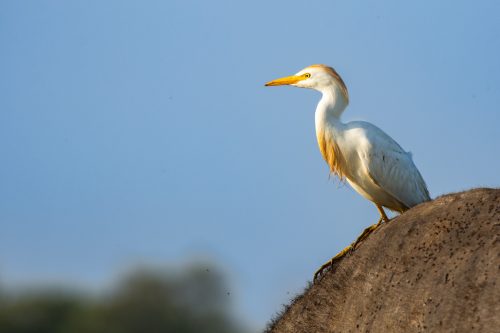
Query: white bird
x=365, y=156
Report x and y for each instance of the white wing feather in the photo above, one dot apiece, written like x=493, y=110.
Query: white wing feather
x=392, y=168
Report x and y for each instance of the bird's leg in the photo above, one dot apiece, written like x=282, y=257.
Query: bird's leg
x=372, y=228
x=353, y=246
x=383, y=217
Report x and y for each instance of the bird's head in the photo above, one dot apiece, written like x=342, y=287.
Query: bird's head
x=318, y=77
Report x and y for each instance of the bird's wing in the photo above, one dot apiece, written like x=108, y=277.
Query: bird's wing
x=392, y=169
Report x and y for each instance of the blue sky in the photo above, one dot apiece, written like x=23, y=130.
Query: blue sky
x=141, y=132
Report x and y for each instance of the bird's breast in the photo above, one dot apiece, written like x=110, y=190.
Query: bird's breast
x=332, y=153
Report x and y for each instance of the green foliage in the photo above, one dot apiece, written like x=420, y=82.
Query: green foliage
x=145, y=301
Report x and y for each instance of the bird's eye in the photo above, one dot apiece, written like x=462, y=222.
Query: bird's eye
x=307, y=75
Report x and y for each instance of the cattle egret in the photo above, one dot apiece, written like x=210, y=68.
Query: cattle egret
x=365, y=156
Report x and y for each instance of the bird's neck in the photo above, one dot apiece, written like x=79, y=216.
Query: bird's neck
x=329, y=129
x=330, y=107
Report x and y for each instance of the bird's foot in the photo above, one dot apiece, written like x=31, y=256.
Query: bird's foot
x=350, y=248
x=364, y=235
x=353, y=246
x=330, y=262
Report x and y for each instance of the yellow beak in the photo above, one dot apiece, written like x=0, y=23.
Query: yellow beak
x=286, y=80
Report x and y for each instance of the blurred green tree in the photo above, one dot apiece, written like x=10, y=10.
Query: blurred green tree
x=151, y=301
